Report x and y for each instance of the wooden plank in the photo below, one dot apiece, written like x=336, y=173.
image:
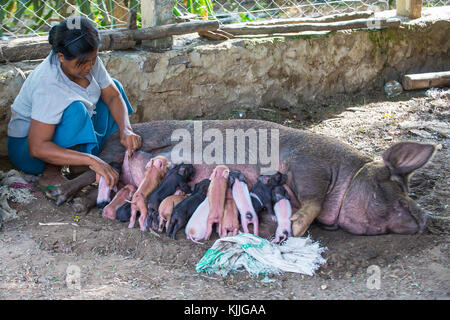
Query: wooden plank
x=426, y=80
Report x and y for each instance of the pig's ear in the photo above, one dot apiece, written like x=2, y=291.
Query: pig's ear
x=405, y=157
x=212, y=174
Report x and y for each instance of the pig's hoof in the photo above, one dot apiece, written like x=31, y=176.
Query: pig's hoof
x=58, y=193
x=299, y=228
x=102, y=204
x=79, y=205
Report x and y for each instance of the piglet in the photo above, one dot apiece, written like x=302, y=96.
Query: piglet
x=241, y=197
x=156, y=168
x=177, y=177
x=230, y=220
x=104, y=192
x=261, y=192
x=283, y=212
x=185, y=209
x=122, y=197
x=196, y=227
x=166, y=208
x=216, y=195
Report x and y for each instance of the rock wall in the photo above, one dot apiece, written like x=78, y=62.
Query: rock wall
x=198, y=77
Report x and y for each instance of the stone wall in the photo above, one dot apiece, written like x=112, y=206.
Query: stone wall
x=198, y=77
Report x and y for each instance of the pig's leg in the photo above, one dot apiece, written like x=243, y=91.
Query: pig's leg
x=67, y=189
x=302, y=219
x=138, y=204
x=243, y=202
x=86, y=202
x=104, y=194
x=310, y=193
x=283, y=211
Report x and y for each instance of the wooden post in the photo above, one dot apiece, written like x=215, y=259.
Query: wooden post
x=156, y=13
x=409, y=8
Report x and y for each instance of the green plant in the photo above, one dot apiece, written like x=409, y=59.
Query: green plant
x=203, y=8
x=35, y=13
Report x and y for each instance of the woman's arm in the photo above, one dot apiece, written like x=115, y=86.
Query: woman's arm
x=41, y=147
x=113, y=99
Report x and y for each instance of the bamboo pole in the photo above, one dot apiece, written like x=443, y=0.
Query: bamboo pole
x=330, y=18
x=300, y=27
x=32, y=48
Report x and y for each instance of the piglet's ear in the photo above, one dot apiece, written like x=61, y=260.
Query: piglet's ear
x=405, y=157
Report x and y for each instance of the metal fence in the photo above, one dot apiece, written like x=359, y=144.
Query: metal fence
x=35, y=17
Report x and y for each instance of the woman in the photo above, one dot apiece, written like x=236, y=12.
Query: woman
x=69, y=106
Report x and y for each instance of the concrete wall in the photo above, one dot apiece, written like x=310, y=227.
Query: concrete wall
x=198, y=77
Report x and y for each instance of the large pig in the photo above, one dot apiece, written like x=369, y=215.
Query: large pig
x=335, y=184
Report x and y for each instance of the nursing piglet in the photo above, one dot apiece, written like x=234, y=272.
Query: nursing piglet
x=156, y=168
x=166, y=208
x=177, y=177
x=230, y=220
x=185, y=209
x=241, y=197
x=261, y=192
x=122, y=197
x=216, y=196
x=196, y=227
x=283, y=212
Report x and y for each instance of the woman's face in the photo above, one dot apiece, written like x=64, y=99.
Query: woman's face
x=72, y=69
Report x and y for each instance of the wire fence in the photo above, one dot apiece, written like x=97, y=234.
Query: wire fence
x=35, y=17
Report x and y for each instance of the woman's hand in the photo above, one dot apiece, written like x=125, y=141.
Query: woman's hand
x=130, y=141
x=102, y=169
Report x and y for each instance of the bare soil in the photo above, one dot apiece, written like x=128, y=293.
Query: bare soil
x=118, y=263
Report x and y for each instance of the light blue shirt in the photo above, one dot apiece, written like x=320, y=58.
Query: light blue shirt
x=47, y=92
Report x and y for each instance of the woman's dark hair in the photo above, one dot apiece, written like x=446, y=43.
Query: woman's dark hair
x=75, y=37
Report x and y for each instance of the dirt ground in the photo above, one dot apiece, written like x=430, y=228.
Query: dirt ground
x=118, y=263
